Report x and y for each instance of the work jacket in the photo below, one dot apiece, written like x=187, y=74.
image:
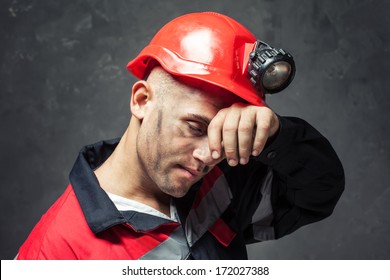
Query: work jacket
x=296, y=180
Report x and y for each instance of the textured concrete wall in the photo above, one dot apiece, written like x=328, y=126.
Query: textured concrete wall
x=63, y=84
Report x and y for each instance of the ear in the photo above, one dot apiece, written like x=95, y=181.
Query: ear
x=140, y=97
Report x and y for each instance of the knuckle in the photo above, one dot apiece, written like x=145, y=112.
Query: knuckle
x=245, y=128
x=264, y=125
x=230, y=153
x=212, y=128
x=229, y=128
x=221, y=113
x=229, y=150
x=244, y=151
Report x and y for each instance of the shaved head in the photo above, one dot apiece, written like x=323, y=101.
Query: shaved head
x=163, y=84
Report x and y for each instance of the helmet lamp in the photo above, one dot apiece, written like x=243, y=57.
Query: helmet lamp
x=270, y=70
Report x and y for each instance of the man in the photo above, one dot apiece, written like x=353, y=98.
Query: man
x=204, y=167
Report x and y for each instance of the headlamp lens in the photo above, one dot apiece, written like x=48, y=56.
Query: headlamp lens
x=270, y=70
x=276, y=75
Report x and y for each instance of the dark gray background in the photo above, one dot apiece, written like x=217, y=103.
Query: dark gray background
x=63, y=84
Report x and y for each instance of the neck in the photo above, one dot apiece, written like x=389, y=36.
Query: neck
x=122, y=174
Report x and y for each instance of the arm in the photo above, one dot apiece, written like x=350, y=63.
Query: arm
x=307, y=176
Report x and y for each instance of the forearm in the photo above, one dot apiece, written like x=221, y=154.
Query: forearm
x=308, y=176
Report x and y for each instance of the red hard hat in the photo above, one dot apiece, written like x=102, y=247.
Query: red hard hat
x=206, y=46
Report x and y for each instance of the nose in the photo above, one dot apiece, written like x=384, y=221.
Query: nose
x=202, y=153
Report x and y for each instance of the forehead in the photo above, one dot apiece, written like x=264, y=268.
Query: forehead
x=184, y=85
x=183, y=94
x=221, y=98
x=202, y=98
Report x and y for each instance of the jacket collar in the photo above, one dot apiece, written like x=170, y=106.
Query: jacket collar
x=99, y=211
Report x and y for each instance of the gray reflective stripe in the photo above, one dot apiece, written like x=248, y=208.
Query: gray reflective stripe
x=213, y=204
x=263, y=216
x=174, y=248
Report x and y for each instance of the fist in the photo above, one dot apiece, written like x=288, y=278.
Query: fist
x=239, y=131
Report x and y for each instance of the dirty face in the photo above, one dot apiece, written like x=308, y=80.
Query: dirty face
x=172, y=143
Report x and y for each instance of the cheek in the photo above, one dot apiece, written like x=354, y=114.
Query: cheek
x=164, y=136
x=179, y=140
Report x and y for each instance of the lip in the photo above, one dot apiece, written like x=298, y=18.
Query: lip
x=194, y=173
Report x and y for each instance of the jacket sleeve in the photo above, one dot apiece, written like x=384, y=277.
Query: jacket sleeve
x=308, y=177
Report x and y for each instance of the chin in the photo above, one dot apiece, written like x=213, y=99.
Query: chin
x=179, y=194
x=176, y=192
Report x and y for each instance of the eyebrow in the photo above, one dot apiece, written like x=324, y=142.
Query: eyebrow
x=200, y=118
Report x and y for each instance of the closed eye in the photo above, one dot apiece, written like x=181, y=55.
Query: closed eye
x=196, y=129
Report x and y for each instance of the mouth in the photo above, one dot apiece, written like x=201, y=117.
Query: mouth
x=190, y=173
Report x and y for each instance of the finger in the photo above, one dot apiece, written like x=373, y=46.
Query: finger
x=246, y=133
x=263, y=125
x=214, y=132
x=229, y=136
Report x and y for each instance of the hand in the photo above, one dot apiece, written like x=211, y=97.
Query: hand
x=239, y=131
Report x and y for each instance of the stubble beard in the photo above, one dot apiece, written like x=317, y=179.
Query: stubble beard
x=154, y=162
